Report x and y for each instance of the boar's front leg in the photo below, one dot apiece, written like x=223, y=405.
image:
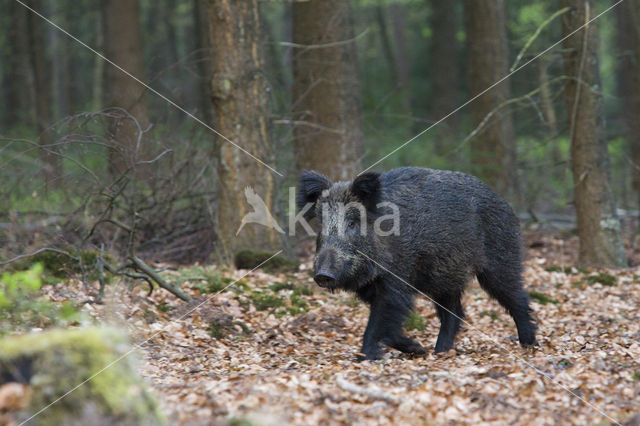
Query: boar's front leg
x=389, y=311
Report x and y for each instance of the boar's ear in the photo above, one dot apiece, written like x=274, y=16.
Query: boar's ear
x=310, y=187
x=366, y=188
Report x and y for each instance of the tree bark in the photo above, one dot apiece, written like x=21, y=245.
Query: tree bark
x=123, y=46
x=628, y=14
x=241, y=113
x=326, y=95
x=598, y=223
x=444, y=57
x=42, y=72
x=493, y=154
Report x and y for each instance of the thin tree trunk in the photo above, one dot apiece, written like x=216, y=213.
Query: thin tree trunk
x=42, y=71
x=598, y=224
x=241, y=110
x=493, y=153
x=444, y=57
x=402, y=57
x=629, y=82
x=545, y=98
x=21, y=90
x=387, y=51
x=549, y=111
x=123, y=45
x=326, y=95
x=98, y=74
x=204, y=58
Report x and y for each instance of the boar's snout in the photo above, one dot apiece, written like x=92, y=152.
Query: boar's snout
x=325, y=279
x=326, y=269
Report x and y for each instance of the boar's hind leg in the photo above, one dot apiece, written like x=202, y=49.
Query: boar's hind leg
x=506, y=287
x=449, y=310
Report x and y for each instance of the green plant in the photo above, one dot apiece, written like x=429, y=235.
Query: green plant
x=20, y=306
x=491, y=314
x=542, y=298
x=415, y=321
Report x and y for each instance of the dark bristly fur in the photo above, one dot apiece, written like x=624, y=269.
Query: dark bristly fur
x=452, y=227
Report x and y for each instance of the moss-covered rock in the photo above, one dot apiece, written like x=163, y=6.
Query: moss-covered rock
x=54, y=363
x=250, y=259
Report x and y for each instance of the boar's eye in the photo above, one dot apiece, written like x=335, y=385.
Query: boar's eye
x=351, y=224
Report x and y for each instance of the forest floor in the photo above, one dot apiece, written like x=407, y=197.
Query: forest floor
x=275, y=349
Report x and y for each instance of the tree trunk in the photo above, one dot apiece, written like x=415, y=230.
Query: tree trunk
x=21, y=88
x=42, y=72
x=444, y=57
x=629, y=82
x=387, y=51
x=598, y=224
x=493, y=155
x=326, y=96
x=123, y=45
x=240, y=102
x=402, y=57
x=203, y=58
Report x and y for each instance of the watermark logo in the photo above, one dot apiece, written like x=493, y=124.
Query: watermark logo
x=334, y=219
x=260, y=214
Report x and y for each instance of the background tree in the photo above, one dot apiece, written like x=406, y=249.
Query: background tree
x=242, y=114
x=402, y=56
x=19, y=83
x=123, y=46
x=41, y=66
x=598, y=223
x=203, y=58
x=444, y=57
x=628, y=14
x=326, y=100
x=493, y=155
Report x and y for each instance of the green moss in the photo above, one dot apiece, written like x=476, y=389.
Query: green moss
x=217, y=330
x=163, y=307
x=542, y=298
x=281, y=286
x=602, y=278
x=303, y=290
x=209, y=280
x=298, y=305
x=239, y=421
x=415, y=321
x=62, y=359
x=243, y=326
x=298, y=290
x=264, y=301
x=491, y=314
x=555, y=268
x=249, y=259
x=636, y=376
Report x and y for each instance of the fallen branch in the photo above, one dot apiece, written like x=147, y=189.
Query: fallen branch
x=139, y=265
x=371, y=393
